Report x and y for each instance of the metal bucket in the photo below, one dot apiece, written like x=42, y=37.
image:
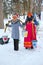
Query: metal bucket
x=34, y=43
x=25, y=33
x=4, y=40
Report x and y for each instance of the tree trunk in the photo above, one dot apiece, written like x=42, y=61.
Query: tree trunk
x=1, y=15
x=30, y=5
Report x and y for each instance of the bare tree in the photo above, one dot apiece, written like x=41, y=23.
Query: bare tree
x=1, y=15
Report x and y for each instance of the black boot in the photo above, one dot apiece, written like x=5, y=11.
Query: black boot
x=16, y=47
x=31, y=47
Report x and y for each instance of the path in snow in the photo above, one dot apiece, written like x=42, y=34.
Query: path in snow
x=24, y=56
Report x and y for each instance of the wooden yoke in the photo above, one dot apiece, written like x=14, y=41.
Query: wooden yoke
x=20, y=21
x=6, y=26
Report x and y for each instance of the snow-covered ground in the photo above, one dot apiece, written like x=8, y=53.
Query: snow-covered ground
x=24, y=56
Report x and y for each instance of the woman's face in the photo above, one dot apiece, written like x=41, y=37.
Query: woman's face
x=14, y=19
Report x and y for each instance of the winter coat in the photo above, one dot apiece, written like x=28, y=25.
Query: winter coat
x=29, y=19
x=15, y=29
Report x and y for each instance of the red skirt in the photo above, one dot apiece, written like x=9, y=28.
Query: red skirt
x=27, y=44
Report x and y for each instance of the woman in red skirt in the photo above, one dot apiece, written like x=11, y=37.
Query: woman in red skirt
x=31, y=35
